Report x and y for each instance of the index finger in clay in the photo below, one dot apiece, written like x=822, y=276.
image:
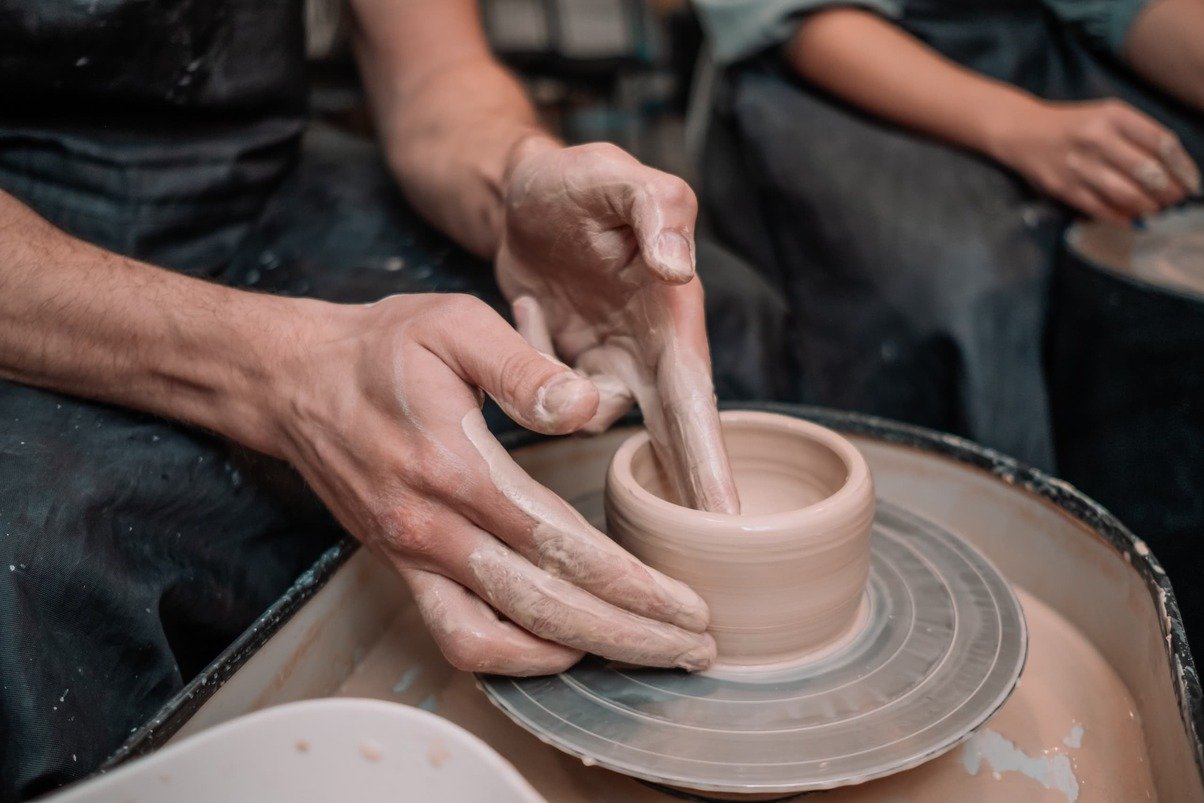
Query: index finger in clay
x=559, y=611
x=554, y=537
x=684, y=423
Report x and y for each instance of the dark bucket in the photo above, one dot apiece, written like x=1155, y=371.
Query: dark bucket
x=1126, y=383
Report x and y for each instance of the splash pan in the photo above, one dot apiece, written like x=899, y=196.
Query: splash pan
x=941, y=650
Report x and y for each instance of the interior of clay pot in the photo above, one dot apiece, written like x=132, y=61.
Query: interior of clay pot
x=776, y=470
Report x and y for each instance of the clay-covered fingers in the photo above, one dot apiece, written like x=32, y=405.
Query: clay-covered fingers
x=539, y=599
x=1143, y=169
x=532, y=387
x=532, y=324
x=614, y=397
x=660, y=208
x=692, y=433
x=1121, y=193
x=611, y=370
x=662, y=213
x=1092, y=204
x=615, y=400
x=549, y=534
x=557, y=610
x=474, y=639
x=1159, y=143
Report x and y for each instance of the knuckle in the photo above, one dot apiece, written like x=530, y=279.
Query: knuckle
x=521, y=376
x=411, y=528
x=673, y=190
x=433, y=470
x=459, y=307
x=544, y=616
x=1058, y=185
x=606, y=149
x=1094, y=134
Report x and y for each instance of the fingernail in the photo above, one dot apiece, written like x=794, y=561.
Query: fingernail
x=675, y=255
x=700, y=657
x=559, y=395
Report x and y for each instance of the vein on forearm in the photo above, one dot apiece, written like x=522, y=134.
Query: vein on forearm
x=449, y=141
x=80, y=320
x=449, y=116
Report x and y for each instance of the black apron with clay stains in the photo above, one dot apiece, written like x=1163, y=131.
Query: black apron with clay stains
x=157, y=129
x=132, y=550
x=918, y=272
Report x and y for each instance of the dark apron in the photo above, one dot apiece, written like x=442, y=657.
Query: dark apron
x=133, y=550
x=918, y=272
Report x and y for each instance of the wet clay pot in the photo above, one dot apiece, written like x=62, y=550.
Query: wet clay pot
x=785, y=579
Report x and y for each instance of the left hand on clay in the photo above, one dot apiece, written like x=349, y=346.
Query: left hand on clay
x=597, y=260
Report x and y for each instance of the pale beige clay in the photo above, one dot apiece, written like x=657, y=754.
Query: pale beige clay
x=785, y=579
x=1067, y=684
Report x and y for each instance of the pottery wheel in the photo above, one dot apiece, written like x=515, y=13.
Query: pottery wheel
x=942, y=649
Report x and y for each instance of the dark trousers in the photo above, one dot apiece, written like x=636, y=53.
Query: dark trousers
x=133, y=549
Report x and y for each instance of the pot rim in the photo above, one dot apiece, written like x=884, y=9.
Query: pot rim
x=819, y=513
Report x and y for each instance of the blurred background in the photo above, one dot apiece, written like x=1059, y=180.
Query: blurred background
x=613, y=70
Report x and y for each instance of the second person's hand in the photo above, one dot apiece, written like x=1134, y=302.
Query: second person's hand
x=1104, y=158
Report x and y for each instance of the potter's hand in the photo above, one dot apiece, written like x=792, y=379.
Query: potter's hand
x=597, y=259
x=382, y=418
x=1104, y=158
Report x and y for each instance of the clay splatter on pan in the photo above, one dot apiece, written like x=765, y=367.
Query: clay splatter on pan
x=371, y=751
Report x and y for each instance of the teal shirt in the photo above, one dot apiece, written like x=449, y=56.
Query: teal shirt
x=1105, y=23
x=737, y=29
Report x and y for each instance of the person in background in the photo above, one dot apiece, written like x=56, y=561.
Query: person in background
x=904, y=169
x=228, y=335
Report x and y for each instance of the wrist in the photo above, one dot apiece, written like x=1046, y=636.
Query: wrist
x=1005, y=124
x=531, y=143
x=265, y=368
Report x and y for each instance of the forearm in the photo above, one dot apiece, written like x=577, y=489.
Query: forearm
x=450, y=118
x=451, y=144
x=1166, y=47
x=873, y=65
x=80, y=320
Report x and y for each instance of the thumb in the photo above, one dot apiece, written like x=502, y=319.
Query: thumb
x=662, y=214
x=537, y=391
